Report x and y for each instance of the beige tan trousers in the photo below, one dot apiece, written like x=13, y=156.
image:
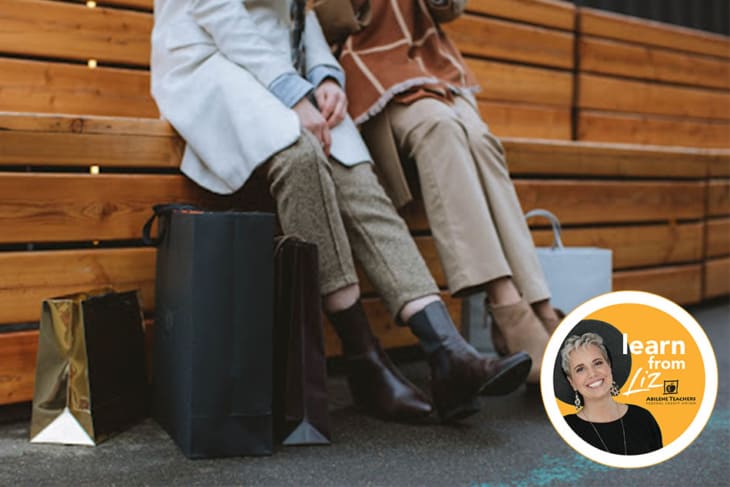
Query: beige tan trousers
x=344, y=210
x=471, y=203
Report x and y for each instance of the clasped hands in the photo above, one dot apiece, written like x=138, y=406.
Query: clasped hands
x=332, y=103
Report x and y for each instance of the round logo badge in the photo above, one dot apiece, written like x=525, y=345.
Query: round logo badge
x=629, y=379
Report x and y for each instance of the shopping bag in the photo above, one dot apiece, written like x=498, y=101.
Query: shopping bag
x=300, y=368
x=212, y=380
x=574, y=274
x=91, y=379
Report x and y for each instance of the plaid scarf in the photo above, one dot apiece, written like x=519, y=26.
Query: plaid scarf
x=401, y=55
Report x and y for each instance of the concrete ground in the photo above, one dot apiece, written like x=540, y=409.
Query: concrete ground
x=511, y=442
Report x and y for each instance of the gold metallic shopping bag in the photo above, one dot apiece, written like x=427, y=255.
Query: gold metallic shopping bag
x=91, y=379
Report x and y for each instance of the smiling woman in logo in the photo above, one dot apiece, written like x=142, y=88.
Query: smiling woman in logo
x=591, y=369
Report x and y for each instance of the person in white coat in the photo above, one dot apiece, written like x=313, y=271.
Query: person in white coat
x=252, y=84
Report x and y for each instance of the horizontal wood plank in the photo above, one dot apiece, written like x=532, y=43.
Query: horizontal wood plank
x=73, y=31
x=17, y=366
x=559, y=158
x=511, y=41
x=592, y=202
x=138, y=4
x=651, y=130
x=652, y=63
x=719, y=167
x=635, y=246
x=80, y=207
x=511, y=82
x=515, y=119
x=717, y=278
x=718, y=238
x=646, y=97
x=84, y=141
x=623, y=27
x=27, y=278
x=681, y=284
x=550, y=13
x=718, y=197
x=53, y=87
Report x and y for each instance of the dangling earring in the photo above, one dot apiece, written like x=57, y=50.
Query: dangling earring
x=577, y=402
x=614, y=389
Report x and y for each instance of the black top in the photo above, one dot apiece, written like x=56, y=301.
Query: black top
x=642, y=432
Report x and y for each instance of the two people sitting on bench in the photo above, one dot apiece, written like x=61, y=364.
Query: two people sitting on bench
x=253, y=86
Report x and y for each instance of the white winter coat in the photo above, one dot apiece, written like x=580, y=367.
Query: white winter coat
x=212, y=61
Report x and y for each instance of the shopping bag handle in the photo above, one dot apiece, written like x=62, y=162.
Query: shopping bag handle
x=557, y=241
x=163, y=213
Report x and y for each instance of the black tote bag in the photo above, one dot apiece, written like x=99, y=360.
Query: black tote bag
x=212, y=383
x=300, y=368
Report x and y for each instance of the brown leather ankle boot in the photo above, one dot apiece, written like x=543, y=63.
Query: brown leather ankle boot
x=376, y=384
x=458, y=372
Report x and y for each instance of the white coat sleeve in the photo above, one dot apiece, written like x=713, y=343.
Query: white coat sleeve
x=238, y=38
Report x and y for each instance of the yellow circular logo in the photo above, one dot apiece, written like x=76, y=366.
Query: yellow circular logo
x=629, y=379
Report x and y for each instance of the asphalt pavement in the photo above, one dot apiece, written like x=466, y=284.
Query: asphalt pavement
x=510, y=442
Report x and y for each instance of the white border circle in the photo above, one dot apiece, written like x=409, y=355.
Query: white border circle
x=553, y=350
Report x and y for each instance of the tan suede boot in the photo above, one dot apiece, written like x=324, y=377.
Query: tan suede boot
x=551, y=323
x=522, y=330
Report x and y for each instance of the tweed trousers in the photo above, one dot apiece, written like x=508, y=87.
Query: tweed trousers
x=345, y=211
x=471, y=203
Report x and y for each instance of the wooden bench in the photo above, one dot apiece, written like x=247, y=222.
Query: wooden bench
x=664, y=211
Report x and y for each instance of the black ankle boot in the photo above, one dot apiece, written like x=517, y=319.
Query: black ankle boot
x=458, y=372
x=375, y=383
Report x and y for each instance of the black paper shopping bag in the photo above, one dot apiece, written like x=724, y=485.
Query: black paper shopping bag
x=212, y=353
x=300, y=368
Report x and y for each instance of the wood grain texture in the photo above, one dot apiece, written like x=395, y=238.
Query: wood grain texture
x=558, y=158
x=72, y=31
x=717, y=278
x=591, y=202
x=652, y=63
x=587, y=202
x=27, y=278
x=647, y=97
x=616, y=26
x=138, y=4
x=511, y=41
x=635, y=246
x=80, y=141
x=651, y=130
x=17, y=366
x=550, y=13
x=719, y=167
x=718, y=237
x=76, y=207
x=514, y=119
x=681, y=284
x=718, y=197
x=54, y=87
x=515, y=83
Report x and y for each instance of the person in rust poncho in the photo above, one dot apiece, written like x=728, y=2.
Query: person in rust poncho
x=412, y=95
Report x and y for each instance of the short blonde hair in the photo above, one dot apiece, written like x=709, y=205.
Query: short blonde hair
x=576, y=341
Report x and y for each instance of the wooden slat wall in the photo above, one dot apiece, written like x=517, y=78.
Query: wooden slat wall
x=648, y=83
x=73, y=31
x=522, y=55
